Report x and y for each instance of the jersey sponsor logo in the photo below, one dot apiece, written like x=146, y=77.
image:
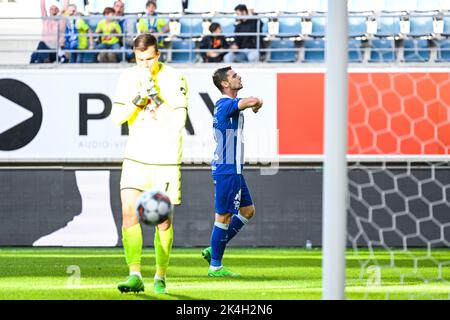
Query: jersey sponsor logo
x=21, y=114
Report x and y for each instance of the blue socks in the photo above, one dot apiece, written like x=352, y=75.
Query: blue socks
x=219, y=239
x=237, y=222
x=221, y=235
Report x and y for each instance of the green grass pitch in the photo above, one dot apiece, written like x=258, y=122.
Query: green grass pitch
x=268, y=274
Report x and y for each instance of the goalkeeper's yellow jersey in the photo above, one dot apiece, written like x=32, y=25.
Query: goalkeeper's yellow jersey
x=155, y=136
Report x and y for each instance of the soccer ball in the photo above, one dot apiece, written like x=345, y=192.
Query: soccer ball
x=153, y=207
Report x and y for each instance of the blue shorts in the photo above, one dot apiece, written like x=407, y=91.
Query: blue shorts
x=231, y=193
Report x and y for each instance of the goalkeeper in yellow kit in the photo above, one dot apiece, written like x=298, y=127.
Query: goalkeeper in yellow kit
x=152, y=98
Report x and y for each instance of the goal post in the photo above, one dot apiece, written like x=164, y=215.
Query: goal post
x=334, y=203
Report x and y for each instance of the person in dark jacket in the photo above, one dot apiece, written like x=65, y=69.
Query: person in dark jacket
x=214, y=42
x=245, y=48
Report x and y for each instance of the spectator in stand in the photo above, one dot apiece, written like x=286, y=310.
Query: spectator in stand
x=75, y=35
x=128, y=26
x=110, y=29
x=119, y=12
x=151, y=23
x=247, y=45
x=214, y=41
x=50, y=30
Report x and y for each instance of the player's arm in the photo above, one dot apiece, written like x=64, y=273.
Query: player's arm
x=127, y=100
x=250, y=102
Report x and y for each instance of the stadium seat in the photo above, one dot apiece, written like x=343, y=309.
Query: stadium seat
x=420, y=26
x=443, y=50
x=314, y=50
x=446, y=29
x=290, y=55
x=92, y=20
x=357, y=26
x=199, y=7
x=186, y=51
x=227, y=24
x=387, y=26
x=416, y=50
x=382, y=50
x=289, y=26
x=318, y=26
x=355, y=52
x=265, y=26
x=190, y=27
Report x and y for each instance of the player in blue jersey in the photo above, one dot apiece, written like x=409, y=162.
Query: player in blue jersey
x=233, y=202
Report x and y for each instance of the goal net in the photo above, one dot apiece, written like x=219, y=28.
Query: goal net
x=399, y=188
x=399, y=230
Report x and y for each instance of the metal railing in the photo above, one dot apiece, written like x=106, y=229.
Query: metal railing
x=184, y=31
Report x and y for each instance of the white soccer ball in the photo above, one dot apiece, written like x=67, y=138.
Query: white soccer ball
x=153, y=207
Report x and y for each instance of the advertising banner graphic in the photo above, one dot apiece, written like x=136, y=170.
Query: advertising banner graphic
x=64, y=115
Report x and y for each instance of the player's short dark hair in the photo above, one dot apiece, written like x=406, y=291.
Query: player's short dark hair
x=219, y=76
x=108, y=10
x=241, y=7
x=213, y=27
x=149, y=2
x=144, y=41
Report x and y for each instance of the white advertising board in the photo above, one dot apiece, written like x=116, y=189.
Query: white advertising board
x=62, y=115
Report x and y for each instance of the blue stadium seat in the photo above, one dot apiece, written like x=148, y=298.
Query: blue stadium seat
x=265, y=25
x=93, y=20
x=289, y=26
x=314, y=50
x=357, y=26
x=446, y=31
x=420, y=26
x=318, y=26
x=443, y=50
x=190, y=27
x=387, y=26
x=382, y=50
x=355, y=52
x=227, y=24
x=187, y=55
x=289, y=55
x=416, y=50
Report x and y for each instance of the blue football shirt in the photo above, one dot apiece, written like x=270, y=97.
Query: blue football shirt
x=228, y=123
